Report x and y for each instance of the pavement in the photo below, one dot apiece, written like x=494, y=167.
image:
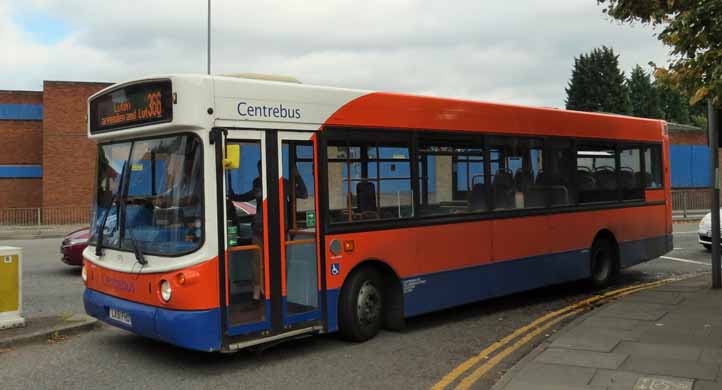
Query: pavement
x=50, y=328
x=666, y=337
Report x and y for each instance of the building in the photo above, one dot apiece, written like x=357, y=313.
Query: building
x=47, y=163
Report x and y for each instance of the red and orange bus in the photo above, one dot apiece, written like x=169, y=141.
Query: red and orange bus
x=232, y=212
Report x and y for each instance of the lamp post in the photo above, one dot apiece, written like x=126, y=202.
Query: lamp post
x=209, y=37
x=713, y=125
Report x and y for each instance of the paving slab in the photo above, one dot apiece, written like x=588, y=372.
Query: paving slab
x=589, y=359
x=671, y=367
x=588, y=342
x=634, y=311
x=711, y=355
x=521, y=385
x=612, y=323
x=681, y=352
x=691, y=337
x=707, y=385
x=661, y=297
x=626, y=380
x=541, y=374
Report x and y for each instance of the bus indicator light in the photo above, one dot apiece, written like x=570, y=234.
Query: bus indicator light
x=180, y=278
x=348, y=246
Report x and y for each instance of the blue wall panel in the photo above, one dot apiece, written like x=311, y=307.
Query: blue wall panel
x=21, y=112
x=21, y=171
x=689, y=165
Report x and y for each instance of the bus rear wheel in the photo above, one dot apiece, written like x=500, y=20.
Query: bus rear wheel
x=603, y=263
x=361, y=305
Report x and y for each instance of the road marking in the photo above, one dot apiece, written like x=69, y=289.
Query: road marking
x=467, y=382
x=685, y=260
x=484, y=368
x=677, y=249
x=694, y=232
x=471, y=362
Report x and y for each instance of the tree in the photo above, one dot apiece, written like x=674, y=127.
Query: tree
x=675, y=106
x=643, y=95
x=693, y=30
x=597, y=83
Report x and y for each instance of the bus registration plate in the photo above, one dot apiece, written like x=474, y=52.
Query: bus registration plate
x=120, y=316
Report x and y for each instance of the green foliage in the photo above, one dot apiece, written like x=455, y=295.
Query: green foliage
x=643, y=96
x=674, y=105
x=693, y=29
x=597, y=83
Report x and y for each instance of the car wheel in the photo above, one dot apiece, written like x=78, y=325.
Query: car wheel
x=361, y=305
x=708, y=247
x=603, y=263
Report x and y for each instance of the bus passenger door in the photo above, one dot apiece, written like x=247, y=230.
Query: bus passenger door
x=299, y=235
x=248, y=308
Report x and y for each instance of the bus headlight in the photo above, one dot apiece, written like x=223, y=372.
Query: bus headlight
x=84, y=274
x=165, y=291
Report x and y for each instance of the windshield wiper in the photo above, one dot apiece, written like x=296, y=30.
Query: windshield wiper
x=139, y=256
x=101, y=232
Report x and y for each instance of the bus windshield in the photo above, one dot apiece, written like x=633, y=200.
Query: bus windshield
x=156, y=201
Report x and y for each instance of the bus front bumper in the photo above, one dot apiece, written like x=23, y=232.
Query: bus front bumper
x=197, y=329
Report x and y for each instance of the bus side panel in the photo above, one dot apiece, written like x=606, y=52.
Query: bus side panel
x=447, y=265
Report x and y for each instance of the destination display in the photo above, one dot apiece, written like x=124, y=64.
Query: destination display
x=133, y=105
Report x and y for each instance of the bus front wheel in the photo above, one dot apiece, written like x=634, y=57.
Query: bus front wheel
x=603, y=263
x=361, y=305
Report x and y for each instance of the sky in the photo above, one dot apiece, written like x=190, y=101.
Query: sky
x=519, y=51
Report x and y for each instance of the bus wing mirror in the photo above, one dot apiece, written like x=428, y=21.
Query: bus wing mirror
x=233, y=157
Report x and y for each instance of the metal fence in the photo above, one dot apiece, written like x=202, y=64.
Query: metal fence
x=45, y=216
x=691, y=200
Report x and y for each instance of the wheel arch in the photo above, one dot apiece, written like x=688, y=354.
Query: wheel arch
x=392, y=291
x=608, y=235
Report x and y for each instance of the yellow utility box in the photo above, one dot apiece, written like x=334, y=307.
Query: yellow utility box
x=11, y=297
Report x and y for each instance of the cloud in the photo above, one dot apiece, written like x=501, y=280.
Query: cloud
x=516, y=52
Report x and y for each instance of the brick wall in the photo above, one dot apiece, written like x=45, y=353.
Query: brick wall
x=21, y=142
x=22, y=193
x=68, y=155
x=21, y=145
x=21, y=97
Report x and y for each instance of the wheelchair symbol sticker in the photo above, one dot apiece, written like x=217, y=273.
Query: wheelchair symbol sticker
x=335, y=269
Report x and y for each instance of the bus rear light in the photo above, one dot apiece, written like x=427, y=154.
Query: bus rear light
x=180, y=278
x=349, y=246
x=84, y=274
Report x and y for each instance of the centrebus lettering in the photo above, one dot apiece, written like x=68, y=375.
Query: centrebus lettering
x=263, y=111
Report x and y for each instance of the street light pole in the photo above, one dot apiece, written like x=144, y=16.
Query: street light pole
x=713, y=125
x=209, y=37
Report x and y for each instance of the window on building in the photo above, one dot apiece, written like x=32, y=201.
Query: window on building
x=653, y=166
x=451, y=177
x=368, y=181
x=596, y=176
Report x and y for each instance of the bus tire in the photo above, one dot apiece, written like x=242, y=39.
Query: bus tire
x=361, y=305
x=603, y=263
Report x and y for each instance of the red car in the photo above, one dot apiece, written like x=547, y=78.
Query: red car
x=73, y=246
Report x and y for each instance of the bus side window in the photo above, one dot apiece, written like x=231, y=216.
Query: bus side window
x=653, y=166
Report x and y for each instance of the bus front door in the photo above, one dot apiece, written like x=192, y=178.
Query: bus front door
x=271, y=270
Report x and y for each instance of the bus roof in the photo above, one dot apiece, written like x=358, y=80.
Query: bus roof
x=206, y=101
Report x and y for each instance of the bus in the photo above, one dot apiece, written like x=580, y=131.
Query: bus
x=232, y=212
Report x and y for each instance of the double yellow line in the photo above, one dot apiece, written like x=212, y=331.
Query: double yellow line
x=526, y=334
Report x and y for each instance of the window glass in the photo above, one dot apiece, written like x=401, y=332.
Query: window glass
x=555, y=179
x=451, y=178
x=152, y=193
x=518, y=177
x=596, y=172
x=653, y=166
x=369, y=181
x=630, y=172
